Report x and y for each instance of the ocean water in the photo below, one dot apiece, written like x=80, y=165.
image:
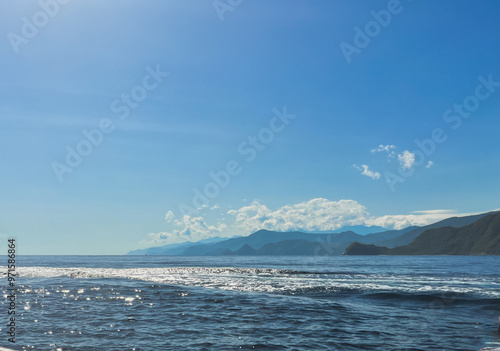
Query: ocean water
x=255, y=303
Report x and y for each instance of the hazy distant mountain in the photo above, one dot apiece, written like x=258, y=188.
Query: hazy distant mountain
x=329, y=243
x=265, y=242
x=479, y=238
x=332, y=245
x=174, y=249
x=138, y=252
x=263, y=237
x=358, y=229
x=332, y=242
x=297, y=247
x=361, y=229
x=387, y=235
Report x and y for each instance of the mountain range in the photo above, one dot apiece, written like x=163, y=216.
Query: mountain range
x=481, y=237
x=174, y=249
x=265, y=242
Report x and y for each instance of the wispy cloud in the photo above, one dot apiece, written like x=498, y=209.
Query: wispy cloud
x=169, y=217
x=365, y=170
x=389, y=149
x=434, y=212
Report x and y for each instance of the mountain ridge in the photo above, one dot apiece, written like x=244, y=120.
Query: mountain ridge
x=266, y=242
x=481, y=237
x=409, y=237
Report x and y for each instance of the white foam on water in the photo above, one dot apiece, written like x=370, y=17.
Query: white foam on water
x=275, y=280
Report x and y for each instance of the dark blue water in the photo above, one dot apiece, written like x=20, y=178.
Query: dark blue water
x=256, y=303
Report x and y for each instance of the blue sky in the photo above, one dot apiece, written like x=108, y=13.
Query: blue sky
x=228, y=80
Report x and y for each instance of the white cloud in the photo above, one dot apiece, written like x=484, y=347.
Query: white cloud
x=406, y=159
x=433, y=212
x=169, y=217
x=416, y=218
x=390, y=149
x=190, y=229
x=429, y=164
x=365, y=170
x=314, y=215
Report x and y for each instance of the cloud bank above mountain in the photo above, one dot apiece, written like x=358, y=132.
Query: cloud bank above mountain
x=314, y=215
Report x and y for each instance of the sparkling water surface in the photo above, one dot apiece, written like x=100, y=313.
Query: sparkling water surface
x=256, y=303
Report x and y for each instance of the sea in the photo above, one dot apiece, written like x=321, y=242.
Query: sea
x=254, y=303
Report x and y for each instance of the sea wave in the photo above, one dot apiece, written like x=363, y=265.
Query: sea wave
x=293, y=282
